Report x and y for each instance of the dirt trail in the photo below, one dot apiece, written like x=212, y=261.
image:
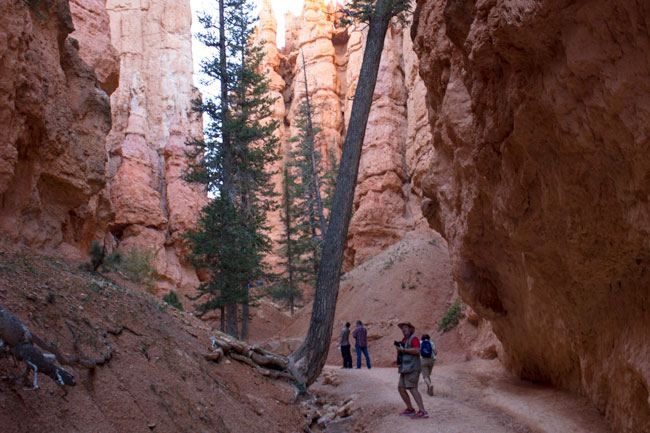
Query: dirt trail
x=471, y=397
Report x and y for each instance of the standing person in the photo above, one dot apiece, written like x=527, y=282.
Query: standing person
x=428, y=355
x=344, y=344
x=361, y=343
x=409, y=371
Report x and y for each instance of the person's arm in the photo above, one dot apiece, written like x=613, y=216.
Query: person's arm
x=415, y=350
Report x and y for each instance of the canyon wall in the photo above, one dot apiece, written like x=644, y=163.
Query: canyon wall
x=78, y=167
x=55, y=115
x=152, y=120
x=540, y=115
x=397, y=144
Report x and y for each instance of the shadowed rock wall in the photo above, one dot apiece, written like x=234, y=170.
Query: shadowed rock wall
x=55, y=119
x=540, y=114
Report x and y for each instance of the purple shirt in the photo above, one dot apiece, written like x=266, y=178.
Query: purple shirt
x=359, y=335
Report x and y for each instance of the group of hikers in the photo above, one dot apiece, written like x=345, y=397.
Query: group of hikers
x=360, y=335
x=414, y=357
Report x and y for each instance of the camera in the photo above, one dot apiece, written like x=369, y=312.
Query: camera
x=398, y=344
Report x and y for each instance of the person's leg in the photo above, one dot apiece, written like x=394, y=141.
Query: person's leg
x=405, y=398
x=365, y=352
x=418, y=398
x=343, y=355
x=347, y=361
x=427, y=363
x=411, y=384
x=358, y=356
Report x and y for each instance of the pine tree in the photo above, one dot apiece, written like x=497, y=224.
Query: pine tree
x=230, y=240
x=287, y=288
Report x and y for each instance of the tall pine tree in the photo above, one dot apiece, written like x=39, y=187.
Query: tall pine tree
x=230, y=240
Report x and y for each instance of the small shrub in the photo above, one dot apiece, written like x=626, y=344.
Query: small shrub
x=172, y=299
x=96, y=255
x=451, y=317
x=112, y=261
x=50, y=298
x=137, y=265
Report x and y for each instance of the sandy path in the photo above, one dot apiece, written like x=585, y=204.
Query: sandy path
x=471, y=397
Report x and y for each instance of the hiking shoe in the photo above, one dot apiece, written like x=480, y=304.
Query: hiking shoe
x=420, y=414
x=407, y=412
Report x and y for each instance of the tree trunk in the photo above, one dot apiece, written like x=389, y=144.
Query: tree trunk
x=225, y=104
x=231, y=320
x=307, y=362
x=223, y=319
x=245, y=320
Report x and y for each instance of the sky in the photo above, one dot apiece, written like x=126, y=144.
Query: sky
x=280, y=7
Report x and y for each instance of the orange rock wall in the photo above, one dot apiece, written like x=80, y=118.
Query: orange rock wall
x=540, y=117
x=65, y=180
x=152, y=119
x=55, y=119
x=387, y=200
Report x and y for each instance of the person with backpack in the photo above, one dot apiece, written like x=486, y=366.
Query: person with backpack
x=409, y=371
x=428, y=355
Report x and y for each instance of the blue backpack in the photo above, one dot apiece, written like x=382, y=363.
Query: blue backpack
x=426, y=349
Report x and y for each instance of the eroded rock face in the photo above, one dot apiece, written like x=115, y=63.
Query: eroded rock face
x=387, y=200
x=152, y=120
x=91, y=29
x=55, y=117
x=540, y=118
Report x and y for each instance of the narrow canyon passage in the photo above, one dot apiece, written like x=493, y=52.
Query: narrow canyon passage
x=471, y=397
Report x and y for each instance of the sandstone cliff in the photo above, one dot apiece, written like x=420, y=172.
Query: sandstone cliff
x=397, y=144
x=539, y=182
x=55, y=117
x=152, y=120
x=65, y=180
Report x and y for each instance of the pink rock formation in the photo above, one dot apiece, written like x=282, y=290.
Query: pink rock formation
x=52, y=155
x=540, y=118
x=92, y=30
x=152, y=120
x=387, y=203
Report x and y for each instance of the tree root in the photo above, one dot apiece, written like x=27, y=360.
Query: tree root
x=262, y=361
x=21, y=343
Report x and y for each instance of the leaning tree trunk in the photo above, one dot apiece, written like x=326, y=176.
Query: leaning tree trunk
x=307, y=362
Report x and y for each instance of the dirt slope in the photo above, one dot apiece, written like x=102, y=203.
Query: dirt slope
x=157, y=380
x=412, y=281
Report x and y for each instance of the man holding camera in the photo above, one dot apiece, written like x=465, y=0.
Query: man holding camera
x=408, y=359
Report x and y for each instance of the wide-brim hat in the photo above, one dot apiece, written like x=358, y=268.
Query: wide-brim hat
x=409, y=324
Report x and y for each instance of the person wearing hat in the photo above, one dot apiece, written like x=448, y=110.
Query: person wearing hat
x=409, y=371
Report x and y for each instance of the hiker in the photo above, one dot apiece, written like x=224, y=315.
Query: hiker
x=344, y=345
x=409, y=371
x=428, y=355
x=361, y=343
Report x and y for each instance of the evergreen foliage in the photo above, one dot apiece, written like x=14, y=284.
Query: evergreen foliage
x=451, y=317
x=232, y=161
x=287, y=288
x=361, y=11
x=171, y=298
x=301, y=244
